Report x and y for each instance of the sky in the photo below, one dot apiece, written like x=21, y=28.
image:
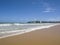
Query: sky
x=29, y=10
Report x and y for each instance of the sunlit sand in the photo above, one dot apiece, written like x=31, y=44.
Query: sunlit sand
x=48, y=36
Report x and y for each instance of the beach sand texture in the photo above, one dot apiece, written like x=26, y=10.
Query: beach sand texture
x=48, y=36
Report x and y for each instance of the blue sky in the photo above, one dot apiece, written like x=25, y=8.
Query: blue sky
x=27, y=10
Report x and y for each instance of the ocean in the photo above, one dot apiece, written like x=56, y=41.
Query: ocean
x=9, y=29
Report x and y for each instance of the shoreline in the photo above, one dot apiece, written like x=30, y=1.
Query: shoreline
x=27, y=30
x=47, y=36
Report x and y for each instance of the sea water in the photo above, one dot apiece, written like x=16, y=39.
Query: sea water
x=17, y=28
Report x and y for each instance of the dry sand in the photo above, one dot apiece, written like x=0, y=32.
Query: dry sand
x=49, y=36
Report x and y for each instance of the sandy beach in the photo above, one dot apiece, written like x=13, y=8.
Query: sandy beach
x=48, y=36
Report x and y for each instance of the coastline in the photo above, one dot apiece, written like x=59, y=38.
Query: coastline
x=18, y=32
x=47, y=36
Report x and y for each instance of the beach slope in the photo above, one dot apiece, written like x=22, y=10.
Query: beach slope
x=48, y=36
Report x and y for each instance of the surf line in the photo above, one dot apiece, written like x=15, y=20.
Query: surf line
x=28, y=30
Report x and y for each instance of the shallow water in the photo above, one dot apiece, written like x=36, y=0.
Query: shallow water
x=8, y=29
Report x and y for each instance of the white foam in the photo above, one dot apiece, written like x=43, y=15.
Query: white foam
x=29, y=24
x=5, y=24
x=11, y=31
x=25, y=30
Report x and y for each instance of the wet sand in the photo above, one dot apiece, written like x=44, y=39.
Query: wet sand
x=48, y=36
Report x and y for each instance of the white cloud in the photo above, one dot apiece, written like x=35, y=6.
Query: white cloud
x=47, y=7
x=49, y=10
